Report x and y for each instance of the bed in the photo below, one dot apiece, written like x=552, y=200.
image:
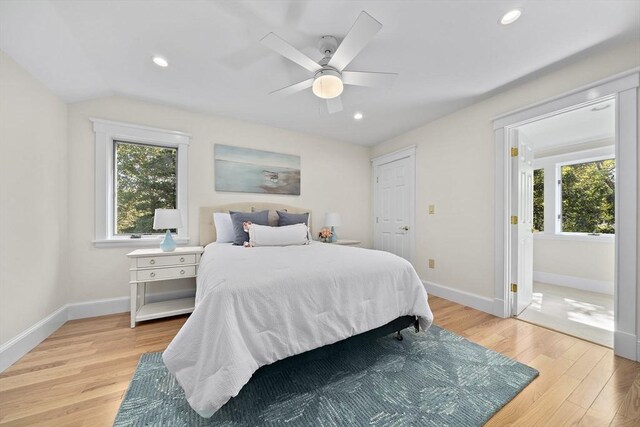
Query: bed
x=256, y=306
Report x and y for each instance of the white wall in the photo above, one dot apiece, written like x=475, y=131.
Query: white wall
x=593, y=262
x=335, y=177
x=33, y=200
x=455, y=171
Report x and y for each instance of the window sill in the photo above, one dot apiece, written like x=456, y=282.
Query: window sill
x=141, y=243
x=576, y=237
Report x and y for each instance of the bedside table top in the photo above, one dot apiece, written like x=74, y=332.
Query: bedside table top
x=347, y=242
x=159, y=252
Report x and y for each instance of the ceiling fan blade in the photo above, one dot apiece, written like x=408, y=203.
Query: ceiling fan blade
x=291, y=53
x=363, y=78
x=297, y=87
x=356, y=39
x=334, y=105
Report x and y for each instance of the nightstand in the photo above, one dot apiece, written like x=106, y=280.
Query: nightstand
x=152, y=265
x=347, y=242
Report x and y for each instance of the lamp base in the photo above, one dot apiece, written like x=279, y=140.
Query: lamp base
x=334, y=236
x=168, y=244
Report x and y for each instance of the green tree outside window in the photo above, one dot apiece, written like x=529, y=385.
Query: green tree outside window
x=538, y=199
x=588, y=197
x=145, y=179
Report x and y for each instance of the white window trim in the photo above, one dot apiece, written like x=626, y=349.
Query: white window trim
x=106, y=132
x=578, y=237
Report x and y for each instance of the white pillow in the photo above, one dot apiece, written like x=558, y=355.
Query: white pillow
x=224, y=227
x=288, y=235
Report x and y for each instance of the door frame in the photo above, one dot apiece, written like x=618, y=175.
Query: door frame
x=624, y=88
x=376, y=162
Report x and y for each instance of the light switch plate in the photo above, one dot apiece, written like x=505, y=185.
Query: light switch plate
x=432, y=263
x=432, y=209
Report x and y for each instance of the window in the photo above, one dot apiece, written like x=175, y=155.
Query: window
x=138, y=169
x=574, y=195
x=538, y=199
x=588, y=197
x=145, y=178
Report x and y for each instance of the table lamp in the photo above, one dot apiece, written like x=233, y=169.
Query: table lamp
x=332, y=219
x=167, y=219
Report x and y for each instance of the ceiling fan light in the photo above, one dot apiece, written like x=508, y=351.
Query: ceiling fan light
x=327, y=84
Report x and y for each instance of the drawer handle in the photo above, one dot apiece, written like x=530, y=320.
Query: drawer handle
x=181, y=259
x=153, y=261
x=153, y=275
x=181, y=271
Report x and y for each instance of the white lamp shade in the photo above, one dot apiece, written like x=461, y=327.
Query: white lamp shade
x=167, y=218
x=327, y=85
x=332, y=219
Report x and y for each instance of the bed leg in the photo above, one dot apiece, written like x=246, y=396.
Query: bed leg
x=399, y=336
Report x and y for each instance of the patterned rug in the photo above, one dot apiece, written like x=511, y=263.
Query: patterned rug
x=432, y=379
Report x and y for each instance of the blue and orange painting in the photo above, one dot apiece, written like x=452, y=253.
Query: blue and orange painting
x=245, y=170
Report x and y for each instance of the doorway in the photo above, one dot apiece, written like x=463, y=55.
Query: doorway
x=623, y=88
x=394, y=202
x=564, y=192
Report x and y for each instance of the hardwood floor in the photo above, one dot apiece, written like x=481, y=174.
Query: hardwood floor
x=79, y=374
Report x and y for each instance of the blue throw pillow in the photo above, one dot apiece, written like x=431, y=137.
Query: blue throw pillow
x=286, y=218
x=239, y=218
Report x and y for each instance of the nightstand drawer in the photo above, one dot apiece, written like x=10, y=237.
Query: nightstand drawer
x=166, y=273
x=157, y=261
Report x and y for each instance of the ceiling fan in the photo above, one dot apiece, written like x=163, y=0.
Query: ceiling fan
x=330, y=75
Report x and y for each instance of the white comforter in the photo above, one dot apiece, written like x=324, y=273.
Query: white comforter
x=255, y=306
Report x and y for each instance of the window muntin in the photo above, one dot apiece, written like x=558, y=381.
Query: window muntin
x=145, y=178
x=588, y=197
x=538, y=199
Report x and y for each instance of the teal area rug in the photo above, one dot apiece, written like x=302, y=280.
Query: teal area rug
x=435, y=378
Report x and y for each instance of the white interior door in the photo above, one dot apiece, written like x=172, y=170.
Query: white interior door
x=394, y=186
x=522, y=231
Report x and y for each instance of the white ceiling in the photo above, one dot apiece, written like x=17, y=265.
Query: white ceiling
x=574, y=127
x=448, y=54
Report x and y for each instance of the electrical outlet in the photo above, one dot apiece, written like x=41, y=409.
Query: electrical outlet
x=432, y=263
x=432, y=209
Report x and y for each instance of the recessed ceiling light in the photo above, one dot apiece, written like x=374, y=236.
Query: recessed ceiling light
x=160, y=61
x=601, y=107
x=358, y=116
x=511, y=16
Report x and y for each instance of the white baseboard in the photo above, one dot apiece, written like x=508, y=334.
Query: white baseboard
x=14, y=349
x=461, y=297
x=499, y=309
x=626, y=345
x=21, y=344
x=599, y=286
x=101, y=307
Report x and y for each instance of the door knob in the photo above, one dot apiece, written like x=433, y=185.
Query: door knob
x=405, y=228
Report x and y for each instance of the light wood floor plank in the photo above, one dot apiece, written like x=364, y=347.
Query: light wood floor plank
x=594, y=382
x=78, y=376
x=568, y=414
x=608, y=402
x=630, y=408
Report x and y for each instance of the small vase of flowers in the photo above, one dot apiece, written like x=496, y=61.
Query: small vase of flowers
x=325, y=235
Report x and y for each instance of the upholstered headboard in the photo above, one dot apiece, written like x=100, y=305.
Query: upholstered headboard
x=208, y=230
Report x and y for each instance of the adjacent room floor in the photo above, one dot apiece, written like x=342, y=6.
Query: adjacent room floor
x=583, y=314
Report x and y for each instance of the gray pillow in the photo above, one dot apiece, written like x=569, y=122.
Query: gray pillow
x=238, y=218
x=286, y=218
